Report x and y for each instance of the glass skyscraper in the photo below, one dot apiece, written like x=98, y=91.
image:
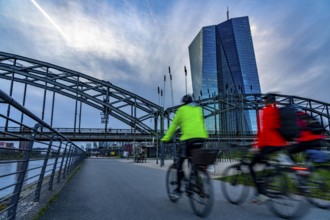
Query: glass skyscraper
x=223, y=64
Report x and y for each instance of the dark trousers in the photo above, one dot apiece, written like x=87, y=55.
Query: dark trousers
x=185, y=152
x=303, y=146
x=259, y=157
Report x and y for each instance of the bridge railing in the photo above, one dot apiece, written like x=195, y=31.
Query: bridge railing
x=30, y=169
x=76, y=130
x=231, y=150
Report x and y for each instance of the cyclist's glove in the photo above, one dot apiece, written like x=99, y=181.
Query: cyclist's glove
x=164, y=139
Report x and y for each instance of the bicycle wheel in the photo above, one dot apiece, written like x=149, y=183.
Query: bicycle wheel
x=286, y=197
x=234, y=185
x=318, y=187
x=172, y=183
x=201, y=192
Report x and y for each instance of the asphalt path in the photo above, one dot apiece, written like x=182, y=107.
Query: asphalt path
x=114, y=189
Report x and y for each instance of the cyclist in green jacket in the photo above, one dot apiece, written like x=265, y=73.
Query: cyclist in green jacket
x=189, y=118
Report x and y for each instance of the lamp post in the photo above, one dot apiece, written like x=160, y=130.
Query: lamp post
x=158, y=90
x=162, y=131
x=173, y=145
x=169, y=71
x=164, y=91
x=185, y=72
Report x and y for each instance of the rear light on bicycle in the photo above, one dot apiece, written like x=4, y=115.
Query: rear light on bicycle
x=296, y=168
x=301, y=170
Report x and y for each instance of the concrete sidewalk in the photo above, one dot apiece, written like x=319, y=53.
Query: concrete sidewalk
x=215, y=170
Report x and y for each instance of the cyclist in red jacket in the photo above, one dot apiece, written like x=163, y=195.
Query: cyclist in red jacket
x=269, y=140
x=307, y=139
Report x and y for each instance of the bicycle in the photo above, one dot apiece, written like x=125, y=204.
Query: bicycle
x=317, y=180
x=285, y=198
x=198, y=184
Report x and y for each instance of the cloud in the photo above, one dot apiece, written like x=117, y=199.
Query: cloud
x=114, y=42
x=132, y=43
x=292, y=48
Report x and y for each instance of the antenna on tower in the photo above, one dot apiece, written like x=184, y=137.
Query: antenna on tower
x=227, y=13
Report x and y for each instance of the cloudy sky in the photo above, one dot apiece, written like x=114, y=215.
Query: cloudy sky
x=131, y=43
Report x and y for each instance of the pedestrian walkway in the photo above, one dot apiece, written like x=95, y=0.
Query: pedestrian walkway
x=107, y=188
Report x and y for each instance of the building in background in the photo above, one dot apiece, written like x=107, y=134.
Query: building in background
x=223, y=65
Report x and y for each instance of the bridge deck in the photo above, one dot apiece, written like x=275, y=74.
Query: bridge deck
x=113, y=189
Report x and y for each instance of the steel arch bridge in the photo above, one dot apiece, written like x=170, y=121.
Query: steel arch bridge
x=109, y=99
x=217, y=105
x=126, y=106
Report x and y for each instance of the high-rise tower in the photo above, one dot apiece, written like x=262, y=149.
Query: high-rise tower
x=223, y=63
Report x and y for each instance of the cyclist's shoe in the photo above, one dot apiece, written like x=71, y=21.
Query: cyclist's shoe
x=188, y=190
x=303, y=173
x=260, y=199
x=285, y=160
x=177, y=193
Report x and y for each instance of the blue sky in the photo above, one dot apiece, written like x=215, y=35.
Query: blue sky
x=131, y=43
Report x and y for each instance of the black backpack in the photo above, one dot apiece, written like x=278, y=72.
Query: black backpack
x=311, y=123
x=289, y=128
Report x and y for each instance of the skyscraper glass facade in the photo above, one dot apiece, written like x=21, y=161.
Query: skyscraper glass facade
x=223, y=64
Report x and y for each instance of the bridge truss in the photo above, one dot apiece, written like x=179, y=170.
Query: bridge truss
x=109, y=99
x=125, y=106
x=237, y=103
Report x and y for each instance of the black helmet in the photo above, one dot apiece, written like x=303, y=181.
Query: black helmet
x=269, y=97
x=187, y=99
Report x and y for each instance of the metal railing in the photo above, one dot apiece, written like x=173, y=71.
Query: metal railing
x=30, y=168
x=230, y=150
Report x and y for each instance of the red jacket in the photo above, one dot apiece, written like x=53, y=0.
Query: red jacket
x=306, y=135
x=268, y=134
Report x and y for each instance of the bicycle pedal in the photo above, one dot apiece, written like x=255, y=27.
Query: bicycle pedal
x=204, y=195
x=261, y=181
x=303, y=173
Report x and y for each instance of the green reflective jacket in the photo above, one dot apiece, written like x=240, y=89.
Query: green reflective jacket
x=189, y=118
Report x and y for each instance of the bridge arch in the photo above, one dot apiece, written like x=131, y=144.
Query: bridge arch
x=110, y=100
x=123, y=105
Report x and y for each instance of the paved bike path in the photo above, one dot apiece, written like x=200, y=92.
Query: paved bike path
x=112, y=189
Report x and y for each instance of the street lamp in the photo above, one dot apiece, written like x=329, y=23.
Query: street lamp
x=185, y=72
x=158, y=91
x=169, y=71
x=164, y=91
